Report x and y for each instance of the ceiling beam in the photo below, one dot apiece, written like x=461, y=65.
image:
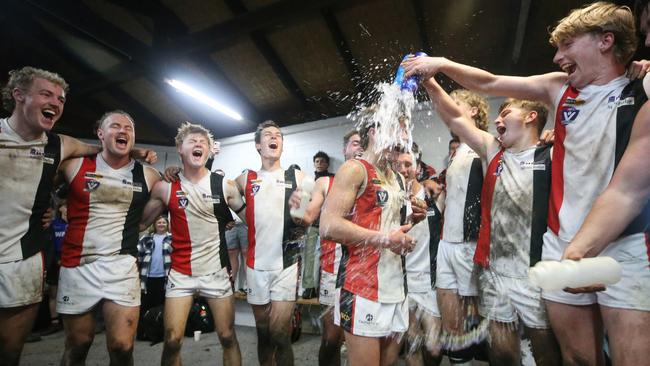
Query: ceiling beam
x=422, y=25
x=344, y=49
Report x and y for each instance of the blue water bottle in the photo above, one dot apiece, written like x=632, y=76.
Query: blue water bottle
x=411, y=83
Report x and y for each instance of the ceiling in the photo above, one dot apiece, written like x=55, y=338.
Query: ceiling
x=288, y=60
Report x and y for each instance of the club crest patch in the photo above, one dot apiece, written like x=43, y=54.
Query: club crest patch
x=91, y=185
x=183, y=201
x=569, y=115
x=382, y=197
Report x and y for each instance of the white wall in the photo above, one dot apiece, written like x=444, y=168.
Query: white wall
x=302, y=141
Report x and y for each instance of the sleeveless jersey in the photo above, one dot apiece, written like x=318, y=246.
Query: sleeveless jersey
x=330, y=251
x=419, y=261
x=28, y=169
x=515, y=207
x=198, y=217
x=367, y=271
x=104, y=211
x=592, y=128
x=464, y=179
x=272, y=234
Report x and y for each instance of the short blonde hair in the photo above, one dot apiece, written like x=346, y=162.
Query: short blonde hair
x=188, y=128
x=23, y=79
x=598, y=18
x=474, y=100
x=529, y=106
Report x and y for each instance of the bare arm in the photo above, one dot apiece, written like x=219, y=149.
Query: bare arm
x=480, y=141
x=156, y=204
x=312, y=211
x=73, y=148
x=542, y=88
x=234, y=198
x=622, y=200
x=334, y=224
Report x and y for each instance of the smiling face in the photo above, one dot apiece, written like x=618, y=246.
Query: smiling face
x=270, y=145
x=195, y=150
x=41, y=104
x=580, y=56
x=353, y=148
x=117, y=134
x=405, y=165
x=161, y=225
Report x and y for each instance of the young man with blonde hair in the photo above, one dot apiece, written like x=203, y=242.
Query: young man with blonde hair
x=29, y=157
x=199, y=203
x=594, y=104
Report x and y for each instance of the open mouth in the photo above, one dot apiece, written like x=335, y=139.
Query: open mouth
x=501, y=130
x=48, y=114
x=121, y=142
x=569, y=68
x=273, y=145
x=197, y=153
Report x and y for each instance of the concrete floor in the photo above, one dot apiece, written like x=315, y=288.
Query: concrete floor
x=207, y=351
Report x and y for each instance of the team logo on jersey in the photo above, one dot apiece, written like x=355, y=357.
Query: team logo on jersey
x=382, y=197
x=569, y=115
x=183, y=201
x=368, y=319
x=532, y=165
x=91, y=185
x=283, y=184
x=573, y=101
x=345, y=316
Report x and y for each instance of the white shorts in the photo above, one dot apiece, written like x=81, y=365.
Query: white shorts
x=631, y=292
x=267, y=286
x=455, y=269
x=424, y=301
x=214, y=285
x=21, y=282
x=367, y=318
x=327, y=294
x=506, y=299
x=113, y=278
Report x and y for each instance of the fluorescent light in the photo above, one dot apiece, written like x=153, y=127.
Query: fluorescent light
x=199, y=96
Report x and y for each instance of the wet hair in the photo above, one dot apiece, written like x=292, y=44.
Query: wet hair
x=529, y=106
x=598, y=18
x=100, y=122
x=23, y=79
x=188, y=128
x=477, y=101
x=262, y=126
x=322, y=154
x=366, y=122
x=348, y=136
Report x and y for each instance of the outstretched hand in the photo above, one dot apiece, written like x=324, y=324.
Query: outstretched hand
x=424, y=66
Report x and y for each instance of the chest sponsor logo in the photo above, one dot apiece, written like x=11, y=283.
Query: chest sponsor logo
x=215, y=198
x=617, y=102
x=532, y=165
x=381, y=197
x=283, y=184
x=568, y=115
x=136, y=186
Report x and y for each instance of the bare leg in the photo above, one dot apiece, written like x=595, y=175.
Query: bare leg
x=431, y=351
x=389, y=350
x=363, y=350
x=546, y=351
x=79, y=335
x=452, y=310
x=15, y=325
x=579, y=332
x=504, y=344
x=51, y=301
x=414, y=340
x=223, y=312
x=233, y=255
x=330, y=346
x=280, y=331
x=628, y=335
x=265, y=350
x=176, y=311
x=121, y=326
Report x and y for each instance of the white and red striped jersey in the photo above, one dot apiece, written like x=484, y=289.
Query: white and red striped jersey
x=272, y=233
x=198, y=216
x=104, y=210
x=28, y=169
x=367, y=271
x=515, y=208
x=419, y=261
x=462, y=216
x=592, y=128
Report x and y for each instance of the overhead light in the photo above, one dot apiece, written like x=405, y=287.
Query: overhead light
x=181, y=86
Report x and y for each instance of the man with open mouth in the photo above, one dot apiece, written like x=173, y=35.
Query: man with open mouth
x=106, y=198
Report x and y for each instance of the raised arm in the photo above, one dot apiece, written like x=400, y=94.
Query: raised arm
x=459, y=124
x=542, y=88
x=623, y=199
x=335, y=226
